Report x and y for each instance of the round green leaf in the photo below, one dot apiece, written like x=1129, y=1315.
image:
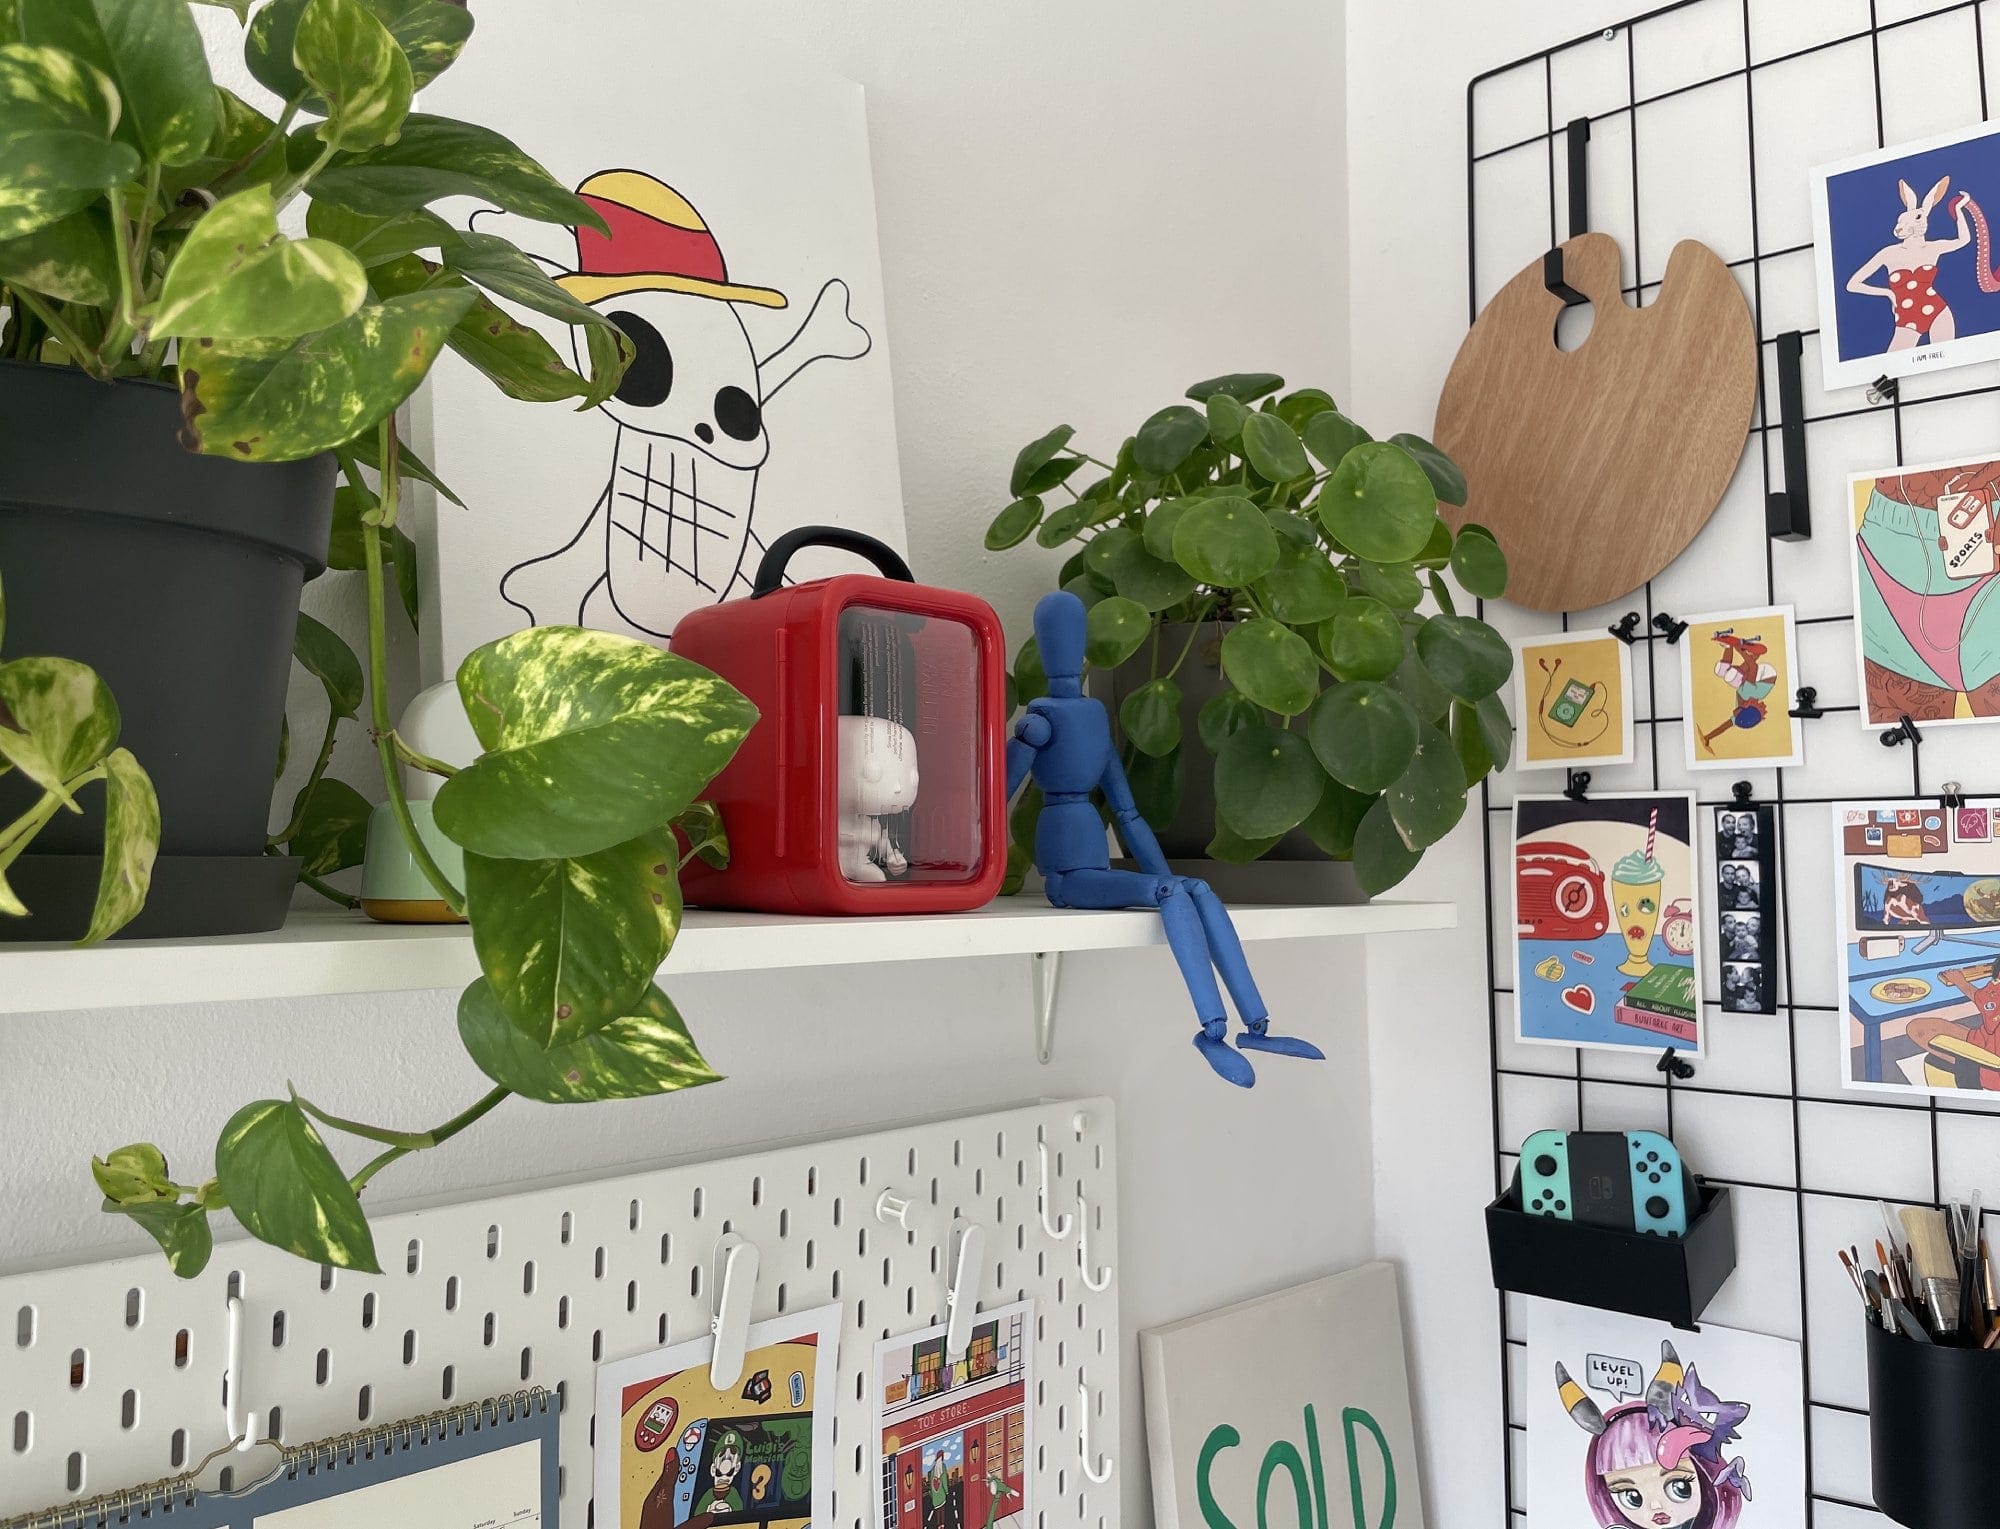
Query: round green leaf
x=1036, y=455
x=1294, y=530
x=1052, y=475
x=637, y=1055
x=1363, y=640
x=1162, y=521
x=1365, y=735
x=569, y=946
x=1031, y=680
x=1012, y=525
x=332, y=832
x=287, y=1190
x=1498, y=729
x=1140, y=576
x=1428, y=799
x=1067, y=522
x=1379, y=504
x=1116, y=627
x=1330, y=435
x=1266, y=781
x=1225, y=542
x=1086, y=588
x=1244, y=387
x=1166, y=440
x=1156, y=785
x=1098, y=554
x=1151, y=717
x=1302, y=588
x=1446, y=479
x=1468, y=741
x=1332, y=824
x=1272, y=665
x=1273, y=448
x=1224, y=714
x=1414, y=683
x=1225, y=419
x=1381, y=858
x=1395, y=584
x=591, y=739
x=1464, y=655
x=1479, y=565
x=1296, y=408
x=1231, y=848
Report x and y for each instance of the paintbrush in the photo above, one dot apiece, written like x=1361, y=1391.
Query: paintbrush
x=1854, y=1274
x=1935, y=1270
x=1986, y=1283
x=1876, y=1294
x=1892, y=1273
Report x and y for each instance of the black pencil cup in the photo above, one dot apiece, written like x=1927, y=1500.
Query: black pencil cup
x=1669, y=1278
x=1930, y=1435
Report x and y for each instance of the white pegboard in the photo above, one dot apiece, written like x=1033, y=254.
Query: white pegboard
x=111, y=1373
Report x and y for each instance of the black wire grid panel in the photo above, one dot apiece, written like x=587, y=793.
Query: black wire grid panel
x=1676, y=100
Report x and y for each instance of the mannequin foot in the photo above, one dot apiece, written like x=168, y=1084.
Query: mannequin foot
x=1228, y=1066
x=1280, y=1045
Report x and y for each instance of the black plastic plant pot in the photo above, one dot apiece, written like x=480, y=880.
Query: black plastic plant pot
x=177, y=578
x=1671, y=1279
x=1930, y=1411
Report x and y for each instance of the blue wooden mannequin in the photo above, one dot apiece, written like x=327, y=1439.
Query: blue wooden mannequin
x=1064, y=741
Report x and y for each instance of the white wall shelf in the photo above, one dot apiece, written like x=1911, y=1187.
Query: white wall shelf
x=344, y=953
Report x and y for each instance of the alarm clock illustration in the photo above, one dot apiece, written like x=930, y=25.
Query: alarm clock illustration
x=1677, y=927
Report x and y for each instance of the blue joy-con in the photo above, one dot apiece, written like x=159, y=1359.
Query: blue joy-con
x=1545, y=1187
x=1659, y=1195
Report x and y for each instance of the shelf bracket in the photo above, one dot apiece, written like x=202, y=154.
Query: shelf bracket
x=1048, y=972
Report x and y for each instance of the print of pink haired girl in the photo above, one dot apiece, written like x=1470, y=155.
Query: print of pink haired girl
x=1643, y=1470
x=1920, y=311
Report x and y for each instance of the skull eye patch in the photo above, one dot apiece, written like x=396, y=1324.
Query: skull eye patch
x=737, y=412
x=650, y=377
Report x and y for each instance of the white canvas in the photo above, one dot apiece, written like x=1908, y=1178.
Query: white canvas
x=1632, y=1422
x=737, y=180
x=1290, y=1411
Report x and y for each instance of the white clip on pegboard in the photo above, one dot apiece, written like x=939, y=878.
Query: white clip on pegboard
x=110, y=1372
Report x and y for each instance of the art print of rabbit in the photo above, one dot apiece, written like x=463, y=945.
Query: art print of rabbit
x=1911, y=265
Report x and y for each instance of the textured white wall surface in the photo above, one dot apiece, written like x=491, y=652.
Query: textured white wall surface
x=1083, y=209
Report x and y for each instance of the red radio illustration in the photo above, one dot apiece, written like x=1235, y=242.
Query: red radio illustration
x=1561, y=894
x=874, y=781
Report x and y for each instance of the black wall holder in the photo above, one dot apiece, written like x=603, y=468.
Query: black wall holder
x=1788, y=511
x=1578, y=136
x=1671, y=1279
x=1905, y=731
x=1808, y=707
x=1626, y=628
x=1929, y=1407
x=1669, y=627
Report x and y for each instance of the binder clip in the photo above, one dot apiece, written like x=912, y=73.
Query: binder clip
x=1953, y=797
x=1669, y=628
x=1626, y=628
x=1741, y=791
x=1579, y=782
x=1674, y=1065
x=1808, y=707
x=1904, y=731
x=1882, y=390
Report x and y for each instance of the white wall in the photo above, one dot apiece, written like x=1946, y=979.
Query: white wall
x=1083, y=209
x=1408, y=65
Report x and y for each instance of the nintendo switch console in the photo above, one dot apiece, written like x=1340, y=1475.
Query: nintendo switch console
x=1632, y=1180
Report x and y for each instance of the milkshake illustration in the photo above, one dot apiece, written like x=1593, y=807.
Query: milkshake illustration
x=1635, y=892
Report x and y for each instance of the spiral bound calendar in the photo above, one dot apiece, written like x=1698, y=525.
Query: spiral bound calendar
x=487, y=1465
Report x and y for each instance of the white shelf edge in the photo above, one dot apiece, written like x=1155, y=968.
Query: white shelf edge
x=319, y=954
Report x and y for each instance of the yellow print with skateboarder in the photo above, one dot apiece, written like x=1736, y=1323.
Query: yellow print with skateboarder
x=1739, y=679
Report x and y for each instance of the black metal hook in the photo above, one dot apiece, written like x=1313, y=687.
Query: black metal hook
x=1674, y=1065
x=1741, y=791
x=1669, y=628
x=1904, y=731
x=1788, y=511
x=1579, y=782
x=1578, y=134
x=1953, y=797
x=1626, y=628
x=1808, y=706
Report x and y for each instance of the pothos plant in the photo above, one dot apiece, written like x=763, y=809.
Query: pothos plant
x=1360, y=704
x=139, y=238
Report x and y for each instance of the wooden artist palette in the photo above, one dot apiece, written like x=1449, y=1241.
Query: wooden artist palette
x=1594, y=468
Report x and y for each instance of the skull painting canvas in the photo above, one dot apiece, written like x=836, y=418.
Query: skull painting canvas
x=741, y=263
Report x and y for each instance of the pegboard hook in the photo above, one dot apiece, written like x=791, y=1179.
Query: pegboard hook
x=891, y=1206
x=1101, y=1280
x=235, y=1411
x=1097, y=1467
x=734, y=1271
x=1059, y=1228
x=961, y=1298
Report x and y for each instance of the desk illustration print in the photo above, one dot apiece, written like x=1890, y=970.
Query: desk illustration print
x=1605, y=913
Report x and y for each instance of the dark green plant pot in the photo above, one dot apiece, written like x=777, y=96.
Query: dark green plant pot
x=1295, y=870
x=176, y=577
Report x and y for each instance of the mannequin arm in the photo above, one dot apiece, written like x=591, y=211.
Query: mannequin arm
x=1133, y=829
x=1030, y=734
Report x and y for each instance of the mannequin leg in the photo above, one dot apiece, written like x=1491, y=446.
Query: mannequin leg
x=1185, y=937
x=1227, y=952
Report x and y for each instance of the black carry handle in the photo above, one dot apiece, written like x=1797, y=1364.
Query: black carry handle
x=771, y=572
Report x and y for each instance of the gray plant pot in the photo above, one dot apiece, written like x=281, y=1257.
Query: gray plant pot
x=1295, y=870
x=176, y=577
